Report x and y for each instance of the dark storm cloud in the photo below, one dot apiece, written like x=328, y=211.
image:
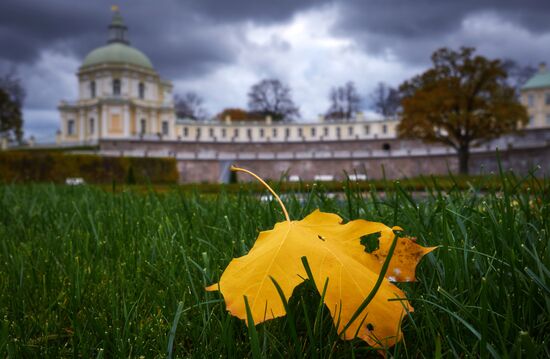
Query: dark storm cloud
x=253, y=10
x=28, y=27
x=413, y=29
x=411, y=19
x=177, y=35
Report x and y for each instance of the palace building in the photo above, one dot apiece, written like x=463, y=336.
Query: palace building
x=535, y=96
x=120, y=95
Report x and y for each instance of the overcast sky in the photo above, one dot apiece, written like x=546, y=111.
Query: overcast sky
x=220, y=48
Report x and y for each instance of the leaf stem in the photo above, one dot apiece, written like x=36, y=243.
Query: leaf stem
x=238, y=169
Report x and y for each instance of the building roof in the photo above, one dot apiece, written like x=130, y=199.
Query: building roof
x=118, y=53
x=118, y=49
x=540, y=80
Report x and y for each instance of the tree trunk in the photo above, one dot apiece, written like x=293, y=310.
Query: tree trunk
x=463, y=159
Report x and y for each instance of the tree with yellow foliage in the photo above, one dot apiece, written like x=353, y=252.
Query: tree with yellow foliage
x=463, y=101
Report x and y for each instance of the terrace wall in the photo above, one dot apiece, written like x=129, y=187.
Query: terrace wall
x=392, y=158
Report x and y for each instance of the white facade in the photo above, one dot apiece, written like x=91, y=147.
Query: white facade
x=267, y=131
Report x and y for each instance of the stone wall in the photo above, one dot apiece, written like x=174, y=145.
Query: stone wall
x=392, y=158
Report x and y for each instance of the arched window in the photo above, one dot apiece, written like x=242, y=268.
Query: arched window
x=142, y=126
x=116, y=87
x=141, y=90
x=92, y=89
x=70, y=127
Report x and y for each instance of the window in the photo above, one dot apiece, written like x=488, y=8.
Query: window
x=249, y=133
x=531, y=120
x=313, y=132
x=338, y=132
x=325, y=131
x=367, y=129
x=350, y=130
x=142, y=126
x=386, y=147
x=141, y=90
x=165, y=128
x=211, y=133
x=236, y=133
x=547, y=98
x=287, y=132
x=548, y=119
x=274, y=132
x=531, y=100
x=70, y=127
x=92, y=126
x=301, y=132
x=198, y=133
x=185, y=132
x=116, y=87
x=384, y=129
x=224, y=132
x=262, y=133
x=92, y=89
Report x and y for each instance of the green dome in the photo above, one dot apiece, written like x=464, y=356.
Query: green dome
x=540, y=80
x=117, y=53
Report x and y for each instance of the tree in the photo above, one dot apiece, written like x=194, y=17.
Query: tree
x=190, y=106
x=344, y=102
x=462, y=101
x=11, y=120
x=238, y=114
x=270, y=97
x=12, y=95
x=385, y=100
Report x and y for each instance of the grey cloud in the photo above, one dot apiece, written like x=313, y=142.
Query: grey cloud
x=252, y=10
x=414, y=29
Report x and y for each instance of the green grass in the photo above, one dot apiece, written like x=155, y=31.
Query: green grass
x=85, y=272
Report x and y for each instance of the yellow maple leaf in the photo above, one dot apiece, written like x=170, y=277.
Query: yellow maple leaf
x=338, y=260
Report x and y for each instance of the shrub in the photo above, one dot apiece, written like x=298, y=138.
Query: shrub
x=51, y=166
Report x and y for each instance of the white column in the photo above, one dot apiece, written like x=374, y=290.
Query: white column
x=126, y=118
x=104, y=121
x=81, y=126
x=153, y=120
x=63, y=126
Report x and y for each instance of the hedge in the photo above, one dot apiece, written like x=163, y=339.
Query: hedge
x=51, y=166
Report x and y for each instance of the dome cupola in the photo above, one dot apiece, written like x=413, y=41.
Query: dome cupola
x=117, y=28
x=118, y=50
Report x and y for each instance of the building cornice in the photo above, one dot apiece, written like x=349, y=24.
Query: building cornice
x=86, y=70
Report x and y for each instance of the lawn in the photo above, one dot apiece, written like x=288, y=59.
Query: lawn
x=90, y=273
